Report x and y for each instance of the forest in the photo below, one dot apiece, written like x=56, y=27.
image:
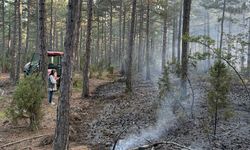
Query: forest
x=124, y=74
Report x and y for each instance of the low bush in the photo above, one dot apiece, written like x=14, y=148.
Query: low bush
x=27, y=101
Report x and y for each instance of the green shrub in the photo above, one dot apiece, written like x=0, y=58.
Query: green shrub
x=220, y=80
x=77, y=82
x=27, y=101
x=220, y=85
x=110, y=69
x=96, y=70
x=164, y=83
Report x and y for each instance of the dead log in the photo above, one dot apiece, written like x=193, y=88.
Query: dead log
x=20, y=141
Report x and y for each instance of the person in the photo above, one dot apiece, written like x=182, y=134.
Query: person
x=51, y=85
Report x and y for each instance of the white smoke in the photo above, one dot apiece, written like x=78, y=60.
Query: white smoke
x=165, y=120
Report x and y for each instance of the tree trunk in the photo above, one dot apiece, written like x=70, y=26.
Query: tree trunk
x=98, y=39
x=13, y=47
x=61, y=40
x=51, y=27
x=174, y=40
x=147, y=46
x=61, y=141
x=248, y=54
x=27, y=32
x=230, y=32
x=85, y=91
x=140, y=38
x=110, y=34
x=37, y=25
x=122, y=71
x=54, y=32
x=3, y=28
x=120, y=33
x=130, y=49
x=9, y=36
x=80, y=49
x=3, y=56
x=77, y=33
x=105, y=40
x=42, y=42
x=208, y=34
x=56, y=41
x=185, y=32
x=164, y=48
x=179, y=35
x=18, y=60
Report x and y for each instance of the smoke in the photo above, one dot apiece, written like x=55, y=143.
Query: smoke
x=165, y=120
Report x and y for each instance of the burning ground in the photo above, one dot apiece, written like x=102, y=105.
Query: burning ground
x=111, y=118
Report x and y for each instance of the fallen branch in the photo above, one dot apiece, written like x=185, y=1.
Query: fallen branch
x=160, y=143
x=20, y=141
x=118, y=137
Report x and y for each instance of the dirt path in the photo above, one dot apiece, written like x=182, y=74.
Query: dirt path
x=10, y=133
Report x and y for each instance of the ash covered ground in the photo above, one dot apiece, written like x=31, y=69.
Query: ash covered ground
x=111, y=116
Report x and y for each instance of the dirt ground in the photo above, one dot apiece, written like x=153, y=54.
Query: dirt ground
x=131, y=120
x=11, y=134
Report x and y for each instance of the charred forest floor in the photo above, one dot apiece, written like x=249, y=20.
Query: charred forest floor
x=112, y=117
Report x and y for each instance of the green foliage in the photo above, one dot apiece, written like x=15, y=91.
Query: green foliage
x=175, y=68
x=27, y=101
x=77, y=82
x=164, y=83
x=97, y=69
x=110, y=69
x=197, y=56
x=220, y=85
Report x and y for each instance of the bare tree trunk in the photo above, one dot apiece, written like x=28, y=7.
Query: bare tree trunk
x=37, y=25
x=174, y=40
x=56, y=41
x=3, y=56
x=13, y=47
x=102, y=40
x=122, y=71
x=110, y=34
x=98, y=39
x=185, y=32
x=164, y=48
x=18, y=60
x=3, y=28
x=77, y=33
x=179, y=35
x=120, y=34
x=9, y=35
x=208, y=34
x=42, y=42
x=27, y=33
x=140, y=38
x=248, y=54
x=130, y=49
x=80, y=49
x=147, y=47
x=61, y=141
x=105, y=40
x=51, y=26
x=54, y=31
x=85, y=91
x=61, y=40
